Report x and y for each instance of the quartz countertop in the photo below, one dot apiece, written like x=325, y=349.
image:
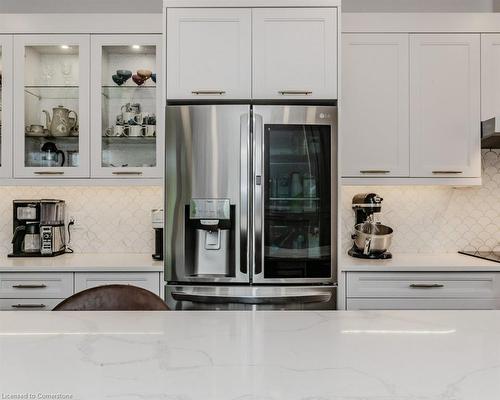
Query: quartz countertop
x=408, y=262
x=82, y=263
x=273, y=355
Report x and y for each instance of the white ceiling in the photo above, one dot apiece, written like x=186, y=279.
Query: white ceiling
x=155, y=6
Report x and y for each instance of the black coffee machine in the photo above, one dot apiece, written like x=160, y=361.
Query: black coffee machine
x=365, y=206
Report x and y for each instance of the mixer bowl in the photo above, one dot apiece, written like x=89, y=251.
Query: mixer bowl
x=372, y=239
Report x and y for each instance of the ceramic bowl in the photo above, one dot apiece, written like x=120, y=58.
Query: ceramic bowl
x=153, y=77
x=145, y=74
x=118, y=80
x=137, y=79
x=125, y=74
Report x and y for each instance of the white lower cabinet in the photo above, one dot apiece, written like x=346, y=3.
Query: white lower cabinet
x=422, y=290
x=145, y=280
x=32, y=291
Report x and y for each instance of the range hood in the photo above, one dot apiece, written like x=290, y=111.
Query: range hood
x=490, y=133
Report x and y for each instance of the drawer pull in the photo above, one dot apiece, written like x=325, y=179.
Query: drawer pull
x=41, y=286
x=209, y=92
x=295, y=92
x=448, y=172
x=375, y=171
x=49, y=172
x=127, y=173
x=426, y=285
x=28, y=306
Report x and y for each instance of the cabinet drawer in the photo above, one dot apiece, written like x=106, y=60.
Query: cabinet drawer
x=422, y=304
x=146, y=280
x=422, y=285
x=28, y=304
x=36, y=285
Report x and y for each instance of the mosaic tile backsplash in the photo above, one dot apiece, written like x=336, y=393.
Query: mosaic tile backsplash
x=108, y=219
x=437, y=219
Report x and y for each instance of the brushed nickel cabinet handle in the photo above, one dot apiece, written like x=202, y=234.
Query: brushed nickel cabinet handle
x=127, y=173
x=209, y=92
x=447, y=172
x=374, y=171
x=28, y=306
x=48, y=172
x=41, y=286
x=295, y=92
x=426, y=285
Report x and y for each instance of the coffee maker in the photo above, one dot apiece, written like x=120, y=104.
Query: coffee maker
x=371, y=239
x=157, y=223
x=38, y=228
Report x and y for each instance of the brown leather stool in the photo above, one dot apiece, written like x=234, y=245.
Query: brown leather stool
x=113, y=298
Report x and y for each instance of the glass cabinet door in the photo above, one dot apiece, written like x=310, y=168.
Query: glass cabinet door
x=127, y=117
x=51, y=106
x=5, y=105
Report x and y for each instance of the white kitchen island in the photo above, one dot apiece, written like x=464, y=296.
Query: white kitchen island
x=386, y=355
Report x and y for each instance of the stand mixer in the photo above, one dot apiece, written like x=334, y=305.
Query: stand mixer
x=371, y=239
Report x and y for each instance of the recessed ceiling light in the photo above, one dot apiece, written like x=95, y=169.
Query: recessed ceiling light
x=136, y=47
x=64, y=47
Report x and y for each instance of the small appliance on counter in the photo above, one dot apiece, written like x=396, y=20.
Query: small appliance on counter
x=38, y=228
x=157, y=222
x=485, y=255
x=371, y=239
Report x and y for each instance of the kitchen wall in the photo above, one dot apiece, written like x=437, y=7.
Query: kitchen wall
x=437, y=219
x=108, y=219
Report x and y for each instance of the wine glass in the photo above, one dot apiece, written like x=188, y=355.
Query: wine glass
x=47, y=72
x=66, y=68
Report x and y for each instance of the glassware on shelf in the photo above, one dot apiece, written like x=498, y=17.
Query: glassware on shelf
x=48, y=72
x=66, y=68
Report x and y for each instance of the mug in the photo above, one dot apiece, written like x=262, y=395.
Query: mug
x=135, y=130
x=128, y=117
x=150, y=130
x=117, y=130
x=131, y=107
x=138, y=118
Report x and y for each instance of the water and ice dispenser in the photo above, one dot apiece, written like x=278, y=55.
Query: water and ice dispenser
x=210, y=237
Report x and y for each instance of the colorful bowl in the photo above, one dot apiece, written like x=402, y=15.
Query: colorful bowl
x=145, y=74
x=137, y=79
x=118, y=80
x=153, y=77
x=125, y=74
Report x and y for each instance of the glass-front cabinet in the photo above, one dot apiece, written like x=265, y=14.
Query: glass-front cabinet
x=126, y=117
x=5, y=105
x=51, y=100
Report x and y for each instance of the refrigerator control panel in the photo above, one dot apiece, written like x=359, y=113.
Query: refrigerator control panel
x=209, y=209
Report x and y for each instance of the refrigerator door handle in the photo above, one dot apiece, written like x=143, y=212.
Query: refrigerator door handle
x=245, y=178
x=316, y=297
x=259, y=179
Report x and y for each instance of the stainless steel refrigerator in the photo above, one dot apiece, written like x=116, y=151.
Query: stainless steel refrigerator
x=251, y=206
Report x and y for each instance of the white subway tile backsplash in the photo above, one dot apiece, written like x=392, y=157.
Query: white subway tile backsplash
x=437, y=219
x=108, y=219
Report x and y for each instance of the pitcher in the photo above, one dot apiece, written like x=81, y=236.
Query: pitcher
x=61, y=124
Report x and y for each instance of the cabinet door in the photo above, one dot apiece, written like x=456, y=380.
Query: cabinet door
x=375, y=105
x=51, y=100
x=209, y=53
x=490, y=76
x=445, y=105
x=294, y=53
x=6, y=81
x=127, y=117
x=422, y=304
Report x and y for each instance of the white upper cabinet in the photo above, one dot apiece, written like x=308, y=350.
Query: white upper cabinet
x=209, y=53
x=490, y=76
x=294, y=53
x=51, y=106
x=6, y=106
x=375, y=105
x=445, y=105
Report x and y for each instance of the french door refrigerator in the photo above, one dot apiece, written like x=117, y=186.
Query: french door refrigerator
x=251, y=206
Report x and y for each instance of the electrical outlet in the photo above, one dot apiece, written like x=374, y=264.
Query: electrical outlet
x=73, y=221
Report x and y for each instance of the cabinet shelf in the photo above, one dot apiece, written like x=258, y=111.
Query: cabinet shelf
x=294, y=198
x=127, y=140
x=53, y=92
x=53, y=138
x=118, y=92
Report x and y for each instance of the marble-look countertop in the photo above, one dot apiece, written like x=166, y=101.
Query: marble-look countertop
x=343, y=355
x=82, y=262
x=415, y=262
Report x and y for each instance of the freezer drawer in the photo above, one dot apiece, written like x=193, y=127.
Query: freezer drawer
x=251, y=297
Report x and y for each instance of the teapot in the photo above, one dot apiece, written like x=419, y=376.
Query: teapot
x=61, y=124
